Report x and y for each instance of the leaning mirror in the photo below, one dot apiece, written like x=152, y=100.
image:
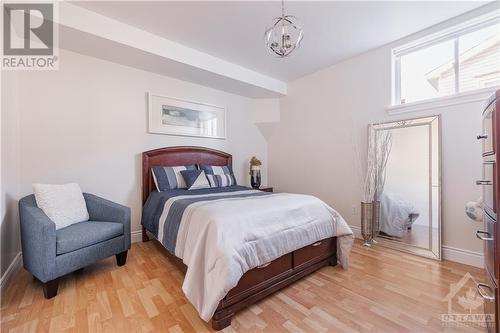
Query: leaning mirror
x=408, y=196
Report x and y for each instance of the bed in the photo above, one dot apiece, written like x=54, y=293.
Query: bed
x=260, y=277
x=397, y=214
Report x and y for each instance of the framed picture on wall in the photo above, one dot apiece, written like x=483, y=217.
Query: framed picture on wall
x=179, y=117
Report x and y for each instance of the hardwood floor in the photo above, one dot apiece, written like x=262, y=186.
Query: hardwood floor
x=383, y=291
x=417, y=236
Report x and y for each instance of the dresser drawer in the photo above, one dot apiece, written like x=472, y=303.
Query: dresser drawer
x=489, y=186
x=489, y=293
x=251, y=279
x=488, y=131
x=314, y=252
x=489, y=237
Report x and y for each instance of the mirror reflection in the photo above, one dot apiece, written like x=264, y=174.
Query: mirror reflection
x=409, y=193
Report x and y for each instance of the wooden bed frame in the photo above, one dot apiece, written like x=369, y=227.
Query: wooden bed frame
x=259, y=282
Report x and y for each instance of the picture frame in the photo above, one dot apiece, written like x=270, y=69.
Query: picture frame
x=172, y=116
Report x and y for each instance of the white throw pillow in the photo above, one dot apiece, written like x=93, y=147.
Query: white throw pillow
x=63, y=204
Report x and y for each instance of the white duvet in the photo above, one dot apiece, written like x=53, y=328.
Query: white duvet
x=220, y=240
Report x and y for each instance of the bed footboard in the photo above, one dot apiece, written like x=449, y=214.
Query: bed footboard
x=262, y=281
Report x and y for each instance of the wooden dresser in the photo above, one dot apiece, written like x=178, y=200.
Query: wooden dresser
x=490, y=233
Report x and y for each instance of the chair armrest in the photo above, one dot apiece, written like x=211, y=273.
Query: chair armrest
x=38, y=238
x=101, y=209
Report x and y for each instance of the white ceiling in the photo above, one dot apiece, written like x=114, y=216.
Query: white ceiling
x=234, y=31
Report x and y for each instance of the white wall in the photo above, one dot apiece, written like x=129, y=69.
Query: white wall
x=9, y=228
x=325, y=117
x=87, y=123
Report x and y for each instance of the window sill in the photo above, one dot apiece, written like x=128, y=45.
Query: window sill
x=441, y=102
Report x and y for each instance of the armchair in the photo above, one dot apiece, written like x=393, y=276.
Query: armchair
x=49, y=254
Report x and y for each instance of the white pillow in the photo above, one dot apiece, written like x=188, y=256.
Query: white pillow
x=63, y=204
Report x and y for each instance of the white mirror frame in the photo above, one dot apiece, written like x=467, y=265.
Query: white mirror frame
x=434, y=250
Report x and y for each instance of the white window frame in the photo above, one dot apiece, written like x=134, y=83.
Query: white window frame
x=452, y=33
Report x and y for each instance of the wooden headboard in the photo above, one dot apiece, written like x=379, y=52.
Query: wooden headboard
x=174, y=156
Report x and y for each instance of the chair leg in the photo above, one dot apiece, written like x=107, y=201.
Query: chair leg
x=121, y=258
x=50, y=288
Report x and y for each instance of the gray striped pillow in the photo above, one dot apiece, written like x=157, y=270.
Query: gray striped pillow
x=219, y=176
x=170, y=178
x=221, y=180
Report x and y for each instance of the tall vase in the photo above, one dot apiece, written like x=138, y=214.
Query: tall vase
x=255, y=178
x=375, y=221
x=366, y=223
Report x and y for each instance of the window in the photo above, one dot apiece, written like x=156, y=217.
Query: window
x=463, y=58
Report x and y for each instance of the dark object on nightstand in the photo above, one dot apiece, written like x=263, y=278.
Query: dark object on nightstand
x=266, y=189
x=255, y=179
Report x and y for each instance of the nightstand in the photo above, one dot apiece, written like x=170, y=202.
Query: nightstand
x=266, y=188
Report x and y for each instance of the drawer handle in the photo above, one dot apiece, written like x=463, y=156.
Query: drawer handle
x=488, y=238
x=479, y=233
x=483, y=182
x=481, y=293
x=482, y=137
x=264, y=265
x=316, y=244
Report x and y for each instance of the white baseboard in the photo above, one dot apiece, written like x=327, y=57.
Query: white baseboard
x=357, y=231
x=13, y=267
x=463, y=256
x=450, y=253
x=136, y=236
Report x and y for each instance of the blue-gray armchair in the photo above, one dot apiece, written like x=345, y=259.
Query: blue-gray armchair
x=49, y=253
